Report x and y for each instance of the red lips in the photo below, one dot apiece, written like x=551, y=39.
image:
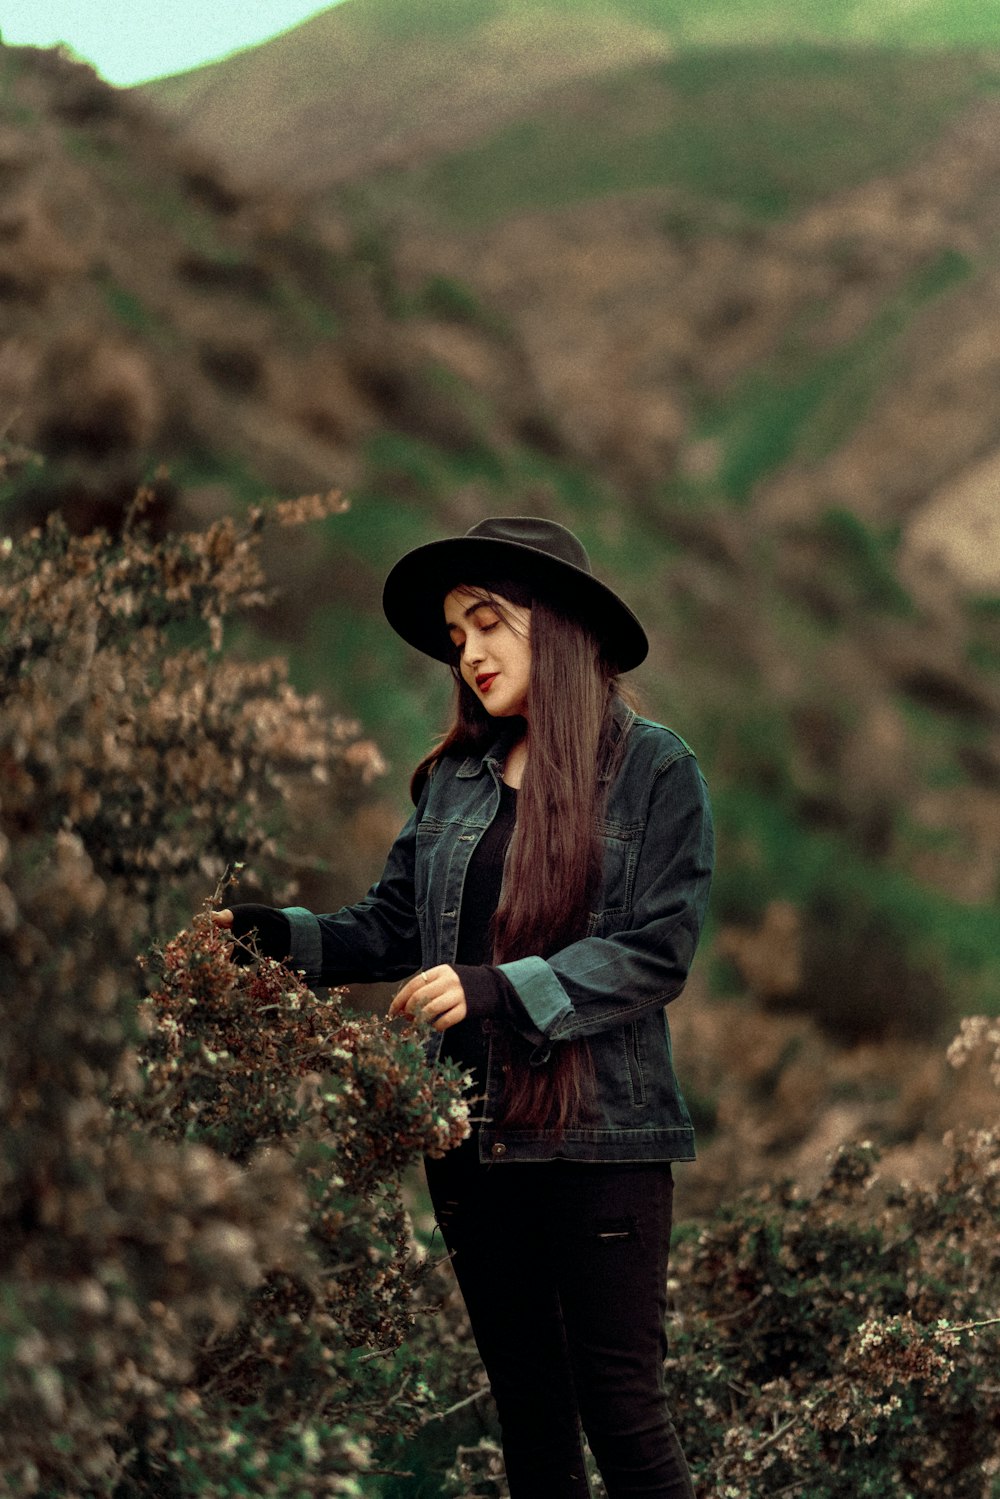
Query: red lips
x=485, y=682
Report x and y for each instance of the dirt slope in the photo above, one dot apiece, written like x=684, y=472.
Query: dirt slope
x=341, y=94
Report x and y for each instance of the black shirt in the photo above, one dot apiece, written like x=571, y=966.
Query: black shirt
x=487, y=992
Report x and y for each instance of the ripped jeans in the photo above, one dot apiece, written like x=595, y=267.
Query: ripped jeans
x=563, y=1268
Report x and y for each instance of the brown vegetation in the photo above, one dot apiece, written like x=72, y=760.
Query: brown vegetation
x=201, y=1221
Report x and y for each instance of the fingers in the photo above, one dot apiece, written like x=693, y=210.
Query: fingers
x=223, y=918
x=453, y=1017
x=402, y=998
x=418, y=989
x=435, y=996
x=440, y=1006
x=445, y=1011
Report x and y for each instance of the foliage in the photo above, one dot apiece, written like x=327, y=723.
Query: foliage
x=165, y=762
x=245, y=1059
x=179, y=1273
x=845, y=1343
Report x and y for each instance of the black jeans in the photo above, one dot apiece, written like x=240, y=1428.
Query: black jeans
x=563, y=1267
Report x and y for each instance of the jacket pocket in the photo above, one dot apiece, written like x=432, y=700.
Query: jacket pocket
x=633, y=1064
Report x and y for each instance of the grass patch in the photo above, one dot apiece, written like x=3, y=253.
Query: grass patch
x=303, y=313
x=765, y=130
x=937, y=737
x=775, y=414
x=983, y=648
x=132, y=313
x=198, y=467
x=766, y=854
x=864, y=560
x=378, y=528
x=400, y=21
x=933, y=23
x=452, y=301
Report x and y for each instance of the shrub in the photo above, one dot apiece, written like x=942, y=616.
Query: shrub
x=845, y=1343
x=194, y=1285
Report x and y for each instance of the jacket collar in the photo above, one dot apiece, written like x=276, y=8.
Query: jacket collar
x=495, y=753
x=623, y=718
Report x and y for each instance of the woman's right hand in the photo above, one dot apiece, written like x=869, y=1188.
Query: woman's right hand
x=272, y=932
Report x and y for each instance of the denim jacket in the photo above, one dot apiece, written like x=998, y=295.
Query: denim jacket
x=610, y=986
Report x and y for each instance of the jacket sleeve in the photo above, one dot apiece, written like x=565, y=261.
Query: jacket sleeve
x=376, y=939
x=600, y=982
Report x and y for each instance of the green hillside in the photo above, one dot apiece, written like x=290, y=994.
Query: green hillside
x=760, y=132
x=732, y=316
x=927, y=23
x=371, y=82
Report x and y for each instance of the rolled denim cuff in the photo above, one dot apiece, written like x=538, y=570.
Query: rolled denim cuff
x=540, y=992
x=307, y=943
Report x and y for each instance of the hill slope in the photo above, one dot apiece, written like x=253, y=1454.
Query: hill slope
x=373, y=82
x=660, y=368
x=773, y=226
x=364, y=85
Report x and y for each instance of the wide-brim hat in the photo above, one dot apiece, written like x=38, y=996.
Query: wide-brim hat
x=549, y=560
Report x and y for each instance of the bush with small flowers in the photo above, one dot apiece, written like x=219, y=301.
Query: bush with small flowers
x=205, y=1268
x=846, y=1342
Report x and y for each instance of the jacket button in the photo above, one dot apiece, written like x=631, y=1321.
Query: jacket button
x=505, y=1067
x=487, y=1027
x=499, y=1150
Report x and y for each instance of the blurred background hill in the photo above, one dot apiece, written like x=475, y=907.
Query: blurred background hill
x=717, y=286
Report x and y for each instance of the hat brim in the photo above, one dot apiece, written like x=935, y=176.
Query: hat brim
x=415, y=590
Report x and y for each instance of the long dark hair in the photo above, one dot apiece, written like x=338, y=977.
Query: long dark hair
x=553, y=869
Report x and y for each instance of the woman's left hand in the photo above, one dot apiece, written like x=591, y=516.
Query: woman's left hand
x=435, y=996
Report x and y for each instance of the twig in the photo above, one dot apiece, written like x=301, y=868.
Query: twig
x=460, y=1405
x=808, y=1407
x=740, y=1311
x=778, y=1434
x=399, y=1393
x=967, y=1326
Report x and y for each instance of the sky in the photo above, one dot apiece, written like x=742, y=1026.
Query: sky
x=130, y=41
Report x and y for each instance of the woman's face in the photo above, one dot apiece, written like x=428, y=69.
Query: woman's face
x=494, y=649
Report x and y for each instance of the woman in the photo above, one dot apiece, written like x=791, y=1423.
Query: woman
x=546, y=895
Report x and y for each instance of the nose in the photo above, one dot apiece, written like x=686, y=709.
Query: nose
x=472, y=651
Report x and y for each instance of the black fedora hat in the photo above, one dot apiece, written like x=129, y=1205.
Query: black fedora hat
x=544, y=556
